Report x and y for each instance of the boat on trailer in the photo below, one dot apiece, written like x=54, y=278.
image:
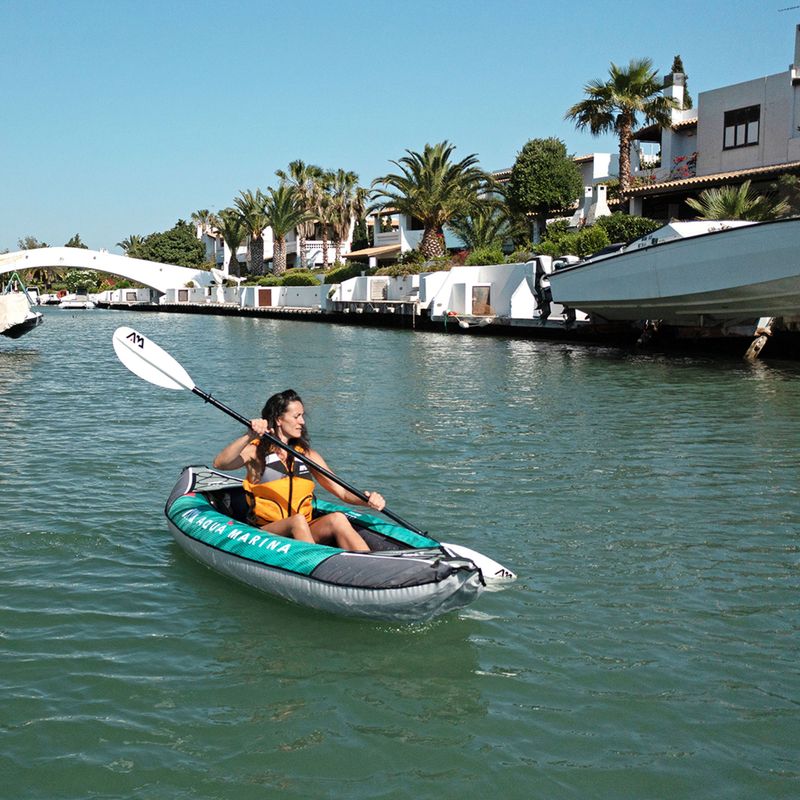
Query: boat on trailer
x=406, y=576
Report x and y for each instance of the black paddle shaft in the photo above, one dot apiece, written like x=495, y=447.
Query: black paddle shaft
x=305, y=459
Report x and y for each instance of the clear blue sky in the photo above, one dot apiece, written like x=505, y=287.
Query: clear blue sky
x=119, y=117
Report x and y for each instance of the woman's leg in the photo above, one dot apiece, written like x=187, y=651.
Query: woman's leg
x=295, y=527
x=336, y=528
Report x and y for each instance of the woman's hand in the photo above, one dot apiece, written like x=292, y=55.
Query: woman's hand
x=375, y=500
x=259, y=426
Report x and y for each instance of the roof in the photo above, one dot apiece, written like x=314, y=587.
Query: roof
x=383, y=250
x=505, y=174
x=652, y=133
x=664, y=187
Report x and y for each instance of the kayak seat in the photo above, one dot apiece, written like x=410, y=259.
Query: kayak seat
x=230, y=502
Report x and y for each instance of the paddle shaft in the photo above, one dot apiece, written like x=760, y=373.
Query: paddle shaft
x=305, y=459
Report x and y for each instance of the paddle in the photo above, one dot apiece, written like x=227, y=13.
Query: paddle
x=147, y=360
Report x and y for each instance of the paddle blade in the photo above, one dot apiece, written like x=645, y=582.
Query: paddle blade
x=147, y=360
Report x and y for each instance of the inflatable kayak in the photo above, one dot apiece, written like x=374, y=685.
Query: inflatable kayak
x=405, y=576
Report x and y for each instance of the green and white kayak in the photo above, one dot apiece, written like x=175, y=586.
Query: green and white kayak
x=406, y=576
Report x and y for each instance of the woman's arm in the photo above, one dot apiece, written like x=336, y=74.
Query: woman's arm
x=376, y=501
x=235, y=455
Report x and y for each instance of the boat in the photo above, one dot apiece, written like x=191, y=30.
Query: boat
x=690, y=273
x=79, y=299
x=17, y=316
x=406, y=576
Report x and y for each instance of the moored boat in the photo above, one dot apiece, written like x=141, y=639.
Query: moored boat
x=406, y=576
x=687, y=272
x=17, y=316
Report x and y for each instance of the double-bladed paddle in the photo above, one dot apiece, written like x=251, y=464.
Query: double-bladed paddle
x=146, y=359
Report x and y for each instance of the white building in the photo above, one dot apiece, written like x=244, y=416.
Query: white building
x=745, y=131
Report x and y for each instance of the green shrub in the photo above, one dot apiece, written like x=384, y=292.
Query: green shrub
x=398, y=270
x=621, y=227
x=299, y=277
x=581, y=243
x=411, y=257
x=483, y=256
x=556, y=229
x=269, y=280
x=520, y=255
x=342, y=272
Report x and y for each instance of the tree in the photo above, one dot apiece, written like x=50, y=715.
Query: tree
x=75, y=241
x=230, y=226
x=544, y=179
x=433, y=189
x=613, y=106
x=179, y=245
x=203, y=219
x=487, y=227
x=677, y=66
x=251, y=210
x=348, y=205
x=307, y=180
x=737, y=202
x=787, y=187
x=284, y=213
x=30, y=243
x=132, y=245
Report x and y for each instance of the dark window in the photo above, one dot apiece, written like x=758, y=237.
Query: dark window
x=416, y=224
x=741, y=127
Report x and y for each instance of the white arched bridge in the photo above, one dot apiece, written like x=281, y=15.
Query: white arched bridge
x=148, y=273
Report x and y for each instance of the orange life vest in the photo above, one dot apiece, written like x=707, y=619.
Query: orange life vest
x=282, y=492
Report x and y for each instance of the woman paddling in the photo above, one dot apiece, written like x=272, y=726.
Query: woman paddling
x=280, y=487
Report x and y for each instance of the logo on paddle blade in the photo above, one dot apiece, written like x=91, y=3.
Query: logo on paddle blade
x=136, y=338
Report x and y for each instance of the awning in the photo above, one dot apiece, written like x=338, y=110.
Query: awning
x=377, y=252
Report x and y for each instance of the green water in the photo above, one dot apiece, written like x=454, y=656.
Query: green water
x=650, y=505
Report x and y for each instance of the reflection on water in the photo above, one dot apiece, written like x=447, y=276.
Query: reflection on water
x=649, y=504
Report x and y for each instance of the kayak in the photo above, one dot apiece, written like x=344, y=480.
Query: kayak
x=406, y=576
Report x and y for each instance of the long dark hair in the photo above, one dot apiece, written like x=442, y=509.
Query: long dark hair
x=276, y=406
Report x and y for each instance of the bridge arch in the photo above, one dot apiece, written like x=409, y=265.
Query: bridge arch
x=149, y=273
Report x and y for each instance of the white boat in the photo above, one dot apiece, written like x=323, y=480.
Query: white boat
x=687, y=272
x=16, y=315
x=76, y=300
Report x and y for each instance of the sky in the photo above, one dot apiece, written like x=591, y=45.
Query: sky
x=120, y=117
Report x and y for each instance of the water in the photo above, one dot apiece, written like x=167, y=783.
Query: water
x=649, y=505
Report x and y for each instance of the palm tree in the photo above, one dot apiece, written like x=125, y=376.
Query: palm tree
x=433, y=189
x=324, y=213
x=131, y=244
x=348, y=206
x=307, y=181
x=230, y=226
x=203, y=219
x=613, y=106
x=284, y=213
x=737, y=202
x=250, y=206
x=487, y=226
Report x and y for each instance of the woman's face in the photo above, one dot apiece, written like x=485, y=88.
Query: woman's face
x=290, y=423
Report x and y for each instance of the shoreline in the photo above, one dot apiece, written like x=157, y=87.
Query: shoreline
x=782, y=345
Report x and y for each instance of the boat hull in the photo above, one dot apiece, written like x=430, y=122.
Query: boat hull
x=406, y=577
x=735, y=274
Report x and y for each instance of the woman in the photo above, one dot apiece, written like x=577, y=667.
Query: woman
x=280, y=487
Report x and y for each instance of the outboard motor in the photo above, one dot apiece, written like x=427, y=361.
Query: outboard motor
x=541, y=285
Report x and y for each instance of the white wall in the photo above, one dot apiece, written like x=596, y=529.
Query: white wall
x=777, y=136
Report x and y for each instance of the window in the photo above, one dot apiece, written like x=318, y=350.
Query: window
x=741, y=127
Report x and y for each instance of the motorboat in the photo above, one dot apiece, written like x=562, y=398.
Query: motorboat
x=79, y=299
x=689, y=273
